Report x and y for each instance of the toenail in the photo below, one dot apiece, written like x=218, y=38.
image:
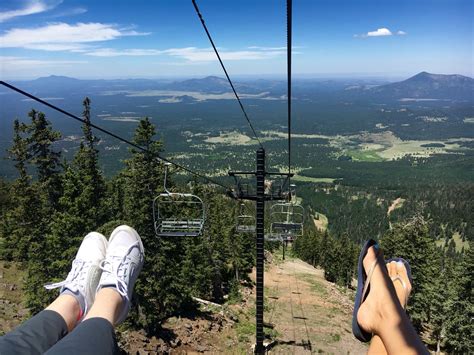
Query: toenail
x=399, y=263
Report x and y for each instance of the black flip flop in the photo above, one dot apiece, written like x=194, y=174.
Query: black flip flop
x=363, y=281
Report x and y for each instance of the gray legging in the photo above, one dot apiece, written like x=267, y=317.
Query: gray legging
x=47, y=333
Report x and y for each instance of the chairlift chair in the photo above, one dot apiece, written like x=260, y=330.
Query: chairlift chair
x=287, y=219
x=245, y=223
x=177, y=214
x=273, y=238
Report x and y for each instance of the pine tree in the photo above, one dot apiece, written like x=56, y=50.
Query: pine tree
x=82, y=204
x=460, y=310
x=45, y=158
x=19, y=223
x=160, y=290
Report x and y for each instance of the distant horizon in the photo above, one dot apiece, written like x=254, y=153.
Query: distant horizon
x=297, y=76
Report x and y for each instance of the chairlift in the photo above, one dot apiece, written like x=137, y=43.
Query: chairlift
x=177, y=214
x=245, y=223
x=287, y=219
x=273, y=238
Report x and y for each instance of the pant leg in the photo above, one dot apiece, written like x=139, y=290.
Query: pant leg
x=92, y=336
x=36, y=335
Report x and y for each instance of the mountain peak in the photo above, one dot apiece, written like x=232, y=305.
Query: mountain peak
x=56, y=78
x=430, y=86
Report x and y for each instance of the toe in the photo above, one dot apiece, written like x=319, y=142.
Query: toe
x=392, y=269
x=402, y=271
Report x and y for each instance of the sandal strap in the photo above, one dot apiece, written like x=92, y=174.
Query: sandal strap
x=404, y=285
x=369, y=275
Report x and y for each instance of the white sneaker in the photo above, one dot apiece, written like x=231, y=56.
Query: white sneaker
x=82, y=280
x=122, y=265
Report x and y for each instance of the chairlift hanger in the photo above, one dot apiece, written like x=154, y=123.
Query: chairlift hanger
x=177, y=214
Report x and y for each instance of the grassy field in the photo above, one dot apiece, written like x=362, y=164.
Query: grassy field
x=364, y=155
x=303, y=178
x=460, y=244
x=320, y=221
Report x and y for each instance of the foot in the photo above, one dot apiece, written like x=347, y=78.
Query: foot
x=399, y=276
x=380, y=304
x=82, y=280
x=122, y=264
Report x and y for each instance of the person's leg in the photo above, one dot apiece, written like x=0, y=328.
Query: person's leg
x=382, y=314
x=395, y=270
x=46, y=328
x=36, y=335
x=122, y=264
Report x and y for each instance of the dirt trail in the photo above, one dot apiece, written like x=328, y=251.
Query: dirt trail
x=320, y=222
x=397, y=203
x=309, y=314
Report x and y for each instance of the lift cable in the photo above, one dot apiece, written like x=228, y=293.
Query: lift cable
x=103, y=130
x=289, y=6
x=226, y=74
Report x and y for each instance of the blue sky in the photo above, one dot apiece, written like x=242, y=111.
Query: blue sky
x=164, y=38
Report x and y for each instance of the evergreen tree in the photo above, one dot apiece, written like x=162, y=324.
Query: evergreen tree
x=82, y=206
x=460, y=310
x=160, y=290
x=19, y=222
x=45, y=157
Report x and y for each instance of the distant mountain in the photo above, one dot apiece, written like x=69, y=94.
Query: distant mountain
x=56, y=79
x=427, y=86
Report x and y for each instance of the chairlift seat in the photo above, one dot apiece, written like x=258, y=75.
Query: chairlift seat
x=178, y=224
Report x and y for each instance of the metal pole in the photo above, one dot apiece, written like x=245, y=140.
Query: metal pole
x=260, y=217
x=284, y=242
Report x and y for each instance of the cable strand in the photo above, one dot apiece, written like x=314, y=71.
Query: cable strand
x=225, y=71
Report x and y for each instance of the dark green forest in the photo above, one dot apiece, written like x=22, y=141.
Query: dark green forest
x=53, y=203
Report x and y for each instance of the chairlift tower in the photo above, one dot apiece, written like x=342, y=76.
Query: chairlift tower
x=261, y=194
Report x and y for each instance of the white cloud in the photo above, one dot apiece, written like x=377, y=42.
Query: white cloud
x=190, y=54
x=11, y=63
x=62, y=36
x=70, y=12
x=33, y=7
x=110, y=52
x=194, y=54
x=380, y=32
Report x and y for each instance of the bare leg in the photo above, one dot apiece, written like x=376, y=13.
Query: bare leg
x=382, y=314
x=376, y=345
x=108, y=305
x=68, y=308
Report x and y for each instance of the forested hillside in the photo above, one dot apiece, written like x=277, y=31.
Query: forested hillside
x=54, y=202
x=45, y=218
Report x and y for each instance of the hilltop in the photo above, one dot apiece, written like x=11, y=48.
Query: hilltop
x=428, y=86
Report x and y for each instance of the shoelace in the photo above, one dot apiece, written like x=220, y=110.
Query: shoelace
x=119, y=265
x=74, y=279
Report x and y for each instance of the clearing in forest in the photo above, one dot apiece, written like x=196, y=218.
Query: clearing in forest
x=397, y=203
x=320, y=221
